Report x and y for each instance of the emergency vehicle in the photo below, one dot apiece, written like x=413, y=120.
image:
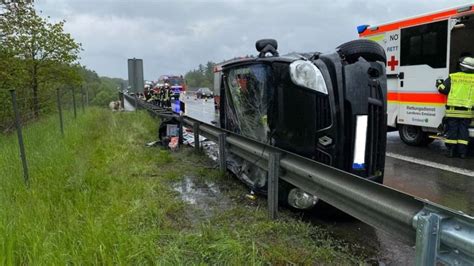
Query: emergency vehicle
x=421, y=50
x=175, y=82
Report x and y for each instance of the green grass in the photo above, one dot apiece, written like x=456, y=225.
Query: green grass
x=98, y=196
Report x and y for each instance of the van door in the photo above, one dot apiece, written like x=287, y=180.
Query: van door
x=423, y=60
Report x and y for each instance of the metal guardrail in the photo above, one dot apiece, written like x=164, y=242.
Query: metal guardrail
x=440, y=234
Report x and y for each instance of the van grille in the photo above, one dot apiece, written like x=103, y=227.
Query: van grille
x=323, y=112
x=376, y=134
x=322, y=157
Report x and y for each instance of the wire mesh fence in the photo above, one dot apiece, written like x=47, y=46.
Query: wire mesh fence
x=20, y=109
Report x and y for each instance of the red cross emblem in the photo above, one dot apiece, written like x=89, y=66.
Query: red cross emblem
x=392, y=63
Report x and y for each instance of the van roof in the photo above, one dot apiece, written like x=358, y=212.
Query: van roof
x=367, y=30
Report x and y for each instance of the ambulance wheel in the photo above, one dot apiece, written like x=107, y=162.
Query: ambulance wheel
x=367, y=49
x=414, y=135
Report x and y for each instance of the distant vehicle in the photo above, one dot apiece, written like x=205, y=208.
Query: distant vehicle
x=421, y=50
x=330, y=108
x=175, y=82
x=204, y=93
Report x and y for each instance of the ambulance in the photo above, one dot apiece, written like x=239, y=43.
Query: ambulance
x=421, y=50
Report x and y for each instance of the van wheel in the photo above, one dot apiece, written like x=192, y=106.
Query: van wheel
x=414, y=135
x=367, y=49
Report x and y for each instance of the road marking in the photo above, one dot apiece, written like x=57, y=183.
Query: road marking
x=443, y=167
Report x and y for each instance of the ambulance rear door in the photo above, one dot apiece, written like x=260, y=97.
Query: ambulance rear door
x=423, y=58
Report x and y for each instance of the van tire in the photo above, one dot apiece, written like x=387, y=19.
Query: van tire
x=414, y=135
x=367, y=49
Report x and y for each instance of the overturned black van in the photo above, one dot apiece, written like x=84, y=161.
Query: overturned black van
x=327, y=107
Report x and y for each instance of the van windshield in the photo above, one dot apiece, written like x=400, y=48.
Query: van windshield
x=248, y=89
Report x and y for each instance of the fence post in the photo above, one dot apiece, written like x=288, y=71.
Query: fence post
x=273, y=175
x=20, y=138
x=222, y=155
x=74, y=102
x=197, y=145
x=82, y=99
x=87, y=97
x=61, y=125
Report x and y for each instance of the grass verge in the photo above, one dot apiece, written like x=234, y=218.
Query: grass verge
x=98, y=196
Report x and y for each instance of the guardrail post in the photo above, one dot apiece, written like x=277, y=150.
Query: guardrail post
x=222, y=155
x=197, y=145
x=20, y=137
x=122, y=100
x=273, y=176
x=442, y=237
x=61, y=124
x=180, y=131
x=427, y=239
x=136, y=103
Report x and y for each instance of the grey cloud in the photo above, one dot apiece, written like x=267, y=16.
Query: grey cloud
x=176, y=36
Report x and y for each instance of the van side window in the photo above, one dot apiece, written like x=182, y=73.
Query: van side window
x=425, y=45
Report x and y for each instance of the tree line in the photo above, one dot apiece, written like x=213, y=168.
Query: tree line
x=203, y=76
x=37, y=57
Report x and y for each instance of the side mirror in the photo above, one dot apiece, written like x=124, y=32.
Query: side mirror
x=265, y=46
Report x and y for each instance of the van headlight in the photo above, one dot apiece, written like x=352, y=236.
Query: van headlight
x=306, y=74
x=299, y=199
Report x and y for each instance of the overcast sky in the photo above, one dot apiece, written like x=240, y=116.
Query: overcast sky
x=173, y=37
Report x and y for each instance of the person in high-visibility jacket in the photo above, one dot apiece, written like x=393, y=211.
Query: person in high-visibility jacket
x=167, y=96
x=459, y=88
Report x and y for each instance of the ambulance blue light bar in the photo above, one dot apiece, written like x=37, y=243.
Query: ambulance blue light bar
x=362, y=28
x=464, y=9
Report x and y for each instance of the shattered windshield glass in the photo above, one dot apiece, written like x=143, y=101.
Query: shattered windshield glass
x=248, y=101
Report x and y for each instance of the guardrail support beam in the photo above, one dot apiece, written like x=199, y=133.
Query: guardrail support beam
x=222, y=155
x=180, y=131
x=273, y=176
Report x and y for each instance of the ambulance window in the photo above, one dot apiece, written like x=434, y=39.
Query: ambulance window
x=425, y=45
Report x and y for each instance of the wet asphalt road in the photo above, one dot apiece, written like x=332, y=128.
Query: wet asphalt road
x=424, y=172
x=427, y=173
